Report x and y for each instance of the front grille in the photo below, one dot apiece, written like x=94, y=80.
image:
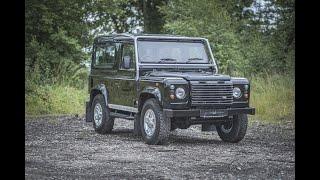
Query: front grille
x=211, y=93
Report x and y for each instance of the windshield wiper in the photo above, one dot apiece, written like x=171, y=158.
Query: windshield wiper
x=192, y=59
x=167, y=59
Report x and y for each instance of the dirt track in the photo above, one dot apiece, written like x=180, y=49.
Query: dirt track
x=68, y=148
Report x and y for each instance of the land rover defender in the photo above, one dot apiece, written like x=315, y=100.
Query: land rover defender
x=164, y=82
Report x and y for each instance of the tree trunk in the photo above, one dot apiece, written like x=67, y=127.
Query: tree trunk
x=153, y=19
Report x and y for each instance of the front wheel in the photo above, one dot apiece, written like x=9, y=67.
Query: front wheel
x=155, y=128
x=235, y=130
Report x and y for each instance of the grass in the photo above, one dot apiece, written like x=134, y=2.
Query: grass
x=55, y=100
x=272, y=96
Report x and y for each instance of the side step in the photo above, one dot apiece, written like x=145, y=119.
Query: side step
x=123, y=108
x=125, y=112
x=120, y=115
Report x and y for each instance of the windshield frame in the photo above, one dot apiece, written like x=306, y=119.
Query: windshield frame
x=175, y=38
x=211, y=63
x=182, y=45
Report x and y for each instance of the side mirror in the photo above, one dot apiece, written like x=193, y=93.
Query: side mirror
x=126, y=62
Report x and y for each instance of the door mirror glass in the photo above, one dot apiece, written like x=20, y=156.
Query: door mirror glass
x=126, y=62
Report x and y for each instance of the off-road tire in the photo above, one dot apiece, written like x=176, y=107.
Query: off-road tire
x=162, y=129
x=238, y=130
x=107, y=123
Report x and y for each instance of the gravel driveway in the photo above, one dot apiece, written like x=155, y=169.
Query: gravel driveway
x=67, y=147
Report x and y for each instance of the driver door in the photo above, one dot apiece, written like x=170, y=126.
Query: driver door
x=126, y=77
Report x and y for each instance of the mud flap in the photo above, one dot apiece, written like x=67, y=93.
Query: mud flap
x=208, y=127
x=88, y=118
x=137, y=127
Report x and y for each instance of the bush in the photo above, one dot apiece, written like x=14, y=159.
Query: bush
x=55, y=100
x=273, y=97
x=45, y=66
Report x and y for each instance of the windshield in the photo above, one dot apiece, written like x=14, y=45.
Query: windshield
x=172, y=52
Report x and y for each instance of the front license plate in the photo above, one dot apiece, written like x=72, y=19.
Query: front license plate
x=208, y=113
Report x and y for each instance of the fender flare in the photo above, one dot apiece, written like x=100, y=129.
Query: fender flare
x=154, y=91
x=103, y=90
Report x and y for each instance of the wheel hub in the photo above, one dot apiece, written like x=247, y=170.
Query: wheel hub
x=227, y=127
x=149, y=122
x=97, y=114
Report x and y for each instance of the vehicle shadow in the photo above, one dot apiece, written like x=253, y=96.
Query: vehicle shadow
x=126, y=133
x=122, y=131
x=178, y=139
x=173, y=139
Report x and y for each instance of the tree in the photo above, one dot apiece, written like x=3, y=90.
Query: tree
x=208, y=19
x=54, y=36
x=57, y=32
x=248, y=37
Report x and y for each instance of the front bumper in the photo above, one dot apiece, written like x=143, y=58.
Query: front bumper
x=197, y=112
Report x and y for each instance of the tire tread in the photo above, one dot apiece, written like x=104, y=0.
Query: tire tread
x=162, y=134
x=107, y=121
x=238, y=131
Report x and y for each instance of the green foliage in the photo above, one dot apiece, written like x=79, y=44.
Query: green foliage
x=243, y=42
x=152, y=18
x=55, y=100
x=258, y=55
x=50, y=67
x=53, y=43
x=56, y=33
x=208, y=19
x=273, y=97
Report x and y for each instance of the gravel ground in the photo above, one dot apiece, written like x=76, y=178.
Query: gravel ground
x=67, y=147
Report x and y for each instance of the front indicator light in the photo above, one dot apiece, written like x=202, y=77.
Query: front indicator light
x=171, y=96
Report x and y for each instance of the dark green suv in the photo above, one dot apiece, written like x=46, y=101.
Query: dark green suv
x=164, y=82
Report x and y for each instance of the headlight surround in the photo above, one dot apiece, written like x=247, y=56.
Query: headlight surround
x=180, y=93
x=236, y=92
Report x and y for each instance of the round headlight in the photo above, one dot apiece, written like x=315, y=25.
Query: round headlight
x=236, y=92
x=180, y=93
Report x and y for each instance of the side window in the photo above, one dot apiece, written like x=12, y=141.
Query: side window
x=105, y=55
x=128, y=50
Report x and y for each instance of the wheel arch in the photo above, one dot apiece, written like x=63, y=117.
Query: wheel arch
x=99, y=89
x=148, y=93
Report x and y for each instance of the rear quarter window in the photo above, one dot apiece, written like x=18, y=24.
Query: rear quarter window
x=105, y=55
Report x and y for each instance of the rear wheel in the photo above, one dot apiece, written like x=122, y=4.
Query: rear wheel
x=235, y=130
x=102, y=122
x=155, y=128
